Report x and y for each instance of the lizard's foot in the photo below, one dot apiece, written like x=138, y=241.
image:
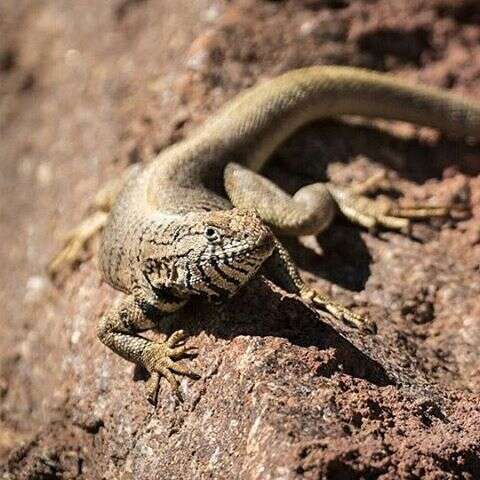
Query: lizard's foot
x=76, y=240
x=159, y=361
x=74, y=243
x=384, y=213
x=338, y=311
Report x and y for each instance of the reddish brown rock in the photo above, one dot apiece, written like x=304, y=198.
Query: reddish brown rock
x=88, y=87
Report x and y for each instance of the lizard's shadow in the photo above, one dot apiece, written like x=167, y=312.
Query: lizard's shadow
x=346, y=259
x=260, y=311
x=318, y=144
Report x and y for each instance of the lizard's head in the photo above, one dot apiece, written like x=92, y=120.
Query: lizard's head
x=211, y=253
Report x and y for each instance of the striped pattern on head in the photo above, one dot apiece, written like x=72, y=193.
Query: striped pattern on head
x=210, y=254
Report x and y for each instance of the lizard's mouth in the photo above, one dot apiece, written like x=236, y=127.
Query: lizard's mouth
x=265, y=244
x=263, y=249
x=225, y=271
x=259, y=249
x=251, y=258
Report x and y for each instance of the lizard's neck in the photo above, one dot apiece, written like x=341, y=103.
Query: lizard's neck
x=192, y=163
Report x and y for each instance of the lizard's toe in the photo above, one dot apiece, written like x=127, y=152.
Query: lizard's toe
x=383, y=212
x=151, y=387
x=338, y=311
x=75, y=242
x=166, y=371
x=176, y=337
x=160, y=362
x=358, y=321
x=182, y=350
x=174, y=350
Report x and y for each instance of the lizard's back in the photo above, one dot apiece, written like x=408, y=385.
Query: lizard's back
x=188, y=176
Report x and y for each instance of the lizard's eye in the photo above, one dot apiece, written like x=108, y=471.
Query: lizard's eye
x=212, y=234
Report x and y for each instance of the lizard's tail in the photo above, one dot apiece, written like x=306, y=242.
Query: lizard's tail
x=253, y=124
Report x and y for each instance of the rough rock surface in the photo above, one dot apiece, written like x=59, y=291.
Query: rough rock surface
x=89, y=87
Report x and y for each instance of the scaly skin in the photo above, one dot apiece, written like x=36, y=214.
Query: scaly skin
x=172, y=235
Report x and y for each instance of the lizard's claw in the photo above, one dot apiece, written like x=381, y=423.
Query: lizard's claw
x=338, y=311
x=385, y=213
x=151, y=387
x=159, y=361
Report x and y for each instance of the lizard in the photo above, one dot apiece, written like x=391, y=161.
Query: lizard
x=201, y=221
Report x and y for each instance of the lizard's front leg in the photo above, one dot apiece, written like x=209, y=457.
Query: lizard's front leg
x=119, y=329
x=283, y=271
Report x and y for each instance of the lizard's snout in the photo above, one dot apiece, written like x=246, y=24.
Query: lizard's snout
x=253, y=232
x=265, y=241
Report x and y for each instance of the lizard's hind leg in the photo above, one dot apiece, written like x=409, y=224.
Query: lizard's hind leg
x=75, y=241
x=308, y=212
x=312, y=208
x=372, y=213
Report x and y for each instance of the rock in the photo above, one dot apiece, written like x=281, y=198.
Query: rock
x=284, y=393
